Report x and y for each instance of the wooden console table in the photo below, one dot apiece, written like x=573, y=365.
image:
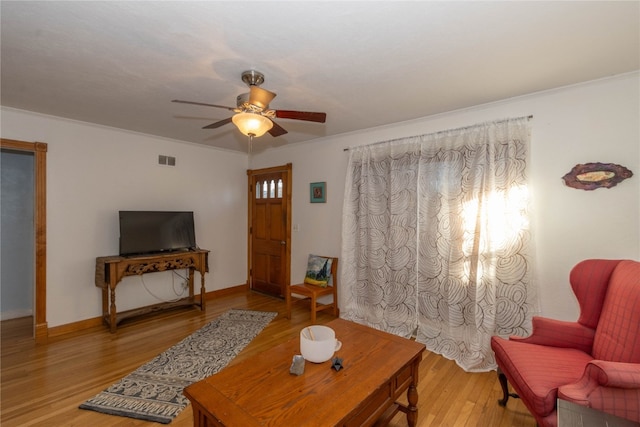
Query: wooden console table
x=260, y=391
x=111, y=269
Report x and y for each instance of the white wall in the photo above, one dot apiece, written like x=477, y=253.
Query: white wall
x=95, y=171
x=594, y=122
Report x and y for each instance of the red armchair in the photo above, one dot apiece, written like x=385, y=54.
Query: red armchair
x=594, y=361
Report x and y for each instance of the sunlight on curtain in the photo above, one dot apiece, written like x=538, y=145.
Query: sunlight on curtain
x=505, y=215
x=436, y=239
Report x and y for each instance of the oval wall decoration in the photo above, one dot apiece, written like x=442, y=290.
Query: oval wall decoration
x=590, y=176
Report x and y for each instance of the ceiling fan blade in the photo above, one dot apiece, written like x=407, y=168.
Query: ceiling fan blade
x=260, y=97
x=302, y=115
x=205, y=105
x=277, y=130
x=218, y=124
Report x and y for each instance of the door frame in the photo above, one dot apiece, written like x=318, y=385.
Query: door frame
x=287, y=170
x=39, y=149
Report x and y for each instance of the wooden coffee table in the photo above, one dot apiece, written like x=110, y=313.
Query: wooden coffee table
x=259, y=391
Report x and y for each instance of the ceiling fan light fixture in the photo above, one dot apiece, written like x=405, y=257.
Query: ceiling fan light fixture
x=252, y=124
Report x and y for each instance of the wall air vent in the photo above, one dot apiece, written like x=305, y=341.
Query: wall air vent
x=166, y=160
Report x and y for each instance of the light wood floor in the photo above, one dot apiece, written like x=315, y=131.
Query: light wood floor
x=42, y=385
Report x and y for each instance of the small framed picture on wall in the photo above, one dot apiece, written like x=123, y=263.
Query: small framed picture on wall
x=318, y=192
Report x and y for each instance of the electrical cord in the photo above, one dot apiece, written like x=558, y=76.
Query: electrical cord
x=183, y=282
x=179, y=295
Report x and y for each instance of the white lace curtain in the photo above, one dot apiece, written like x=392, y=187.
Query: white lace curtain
x=436, y=239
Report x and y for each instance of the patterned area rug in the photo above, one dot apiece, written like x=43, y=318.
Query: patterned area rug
x=153, y=392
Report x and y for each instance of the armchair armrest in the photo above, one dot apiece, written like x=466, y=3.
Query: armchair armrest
x=612, y=387
x=614, y=374
x=558, y=333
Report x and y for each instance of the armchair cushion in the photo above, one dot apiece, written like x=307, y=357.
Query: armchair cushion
x=612, y=387
x=536, y=371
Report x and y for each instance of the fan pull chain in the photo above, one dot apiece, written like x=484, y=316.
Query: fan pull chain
x=250, y=143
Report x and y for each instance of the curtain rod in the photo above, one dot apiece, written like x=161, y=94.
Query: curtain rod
x=439, y=132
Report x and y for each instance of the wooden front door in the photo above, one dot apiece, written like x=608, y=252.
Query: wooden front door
x=270, y=229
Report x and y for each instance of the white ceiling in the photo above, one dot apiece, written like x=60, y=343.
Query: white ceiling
x=363, y=63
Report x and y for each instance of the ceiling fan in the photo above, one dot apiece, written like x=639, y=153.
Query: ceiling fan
x=253, y=116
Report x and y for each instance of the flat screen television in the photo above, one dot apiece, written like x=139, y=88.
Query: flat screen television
x=145, y=232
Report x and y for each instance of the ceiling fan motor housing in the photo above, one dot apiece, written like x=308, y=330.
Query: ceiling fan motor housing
x=242, y=99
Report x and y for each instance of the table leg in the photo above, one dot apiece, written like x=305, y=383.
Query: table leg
x=112, y=310
x=412, y=407
x=203, y=293
x=191, y=269
x=105, y=304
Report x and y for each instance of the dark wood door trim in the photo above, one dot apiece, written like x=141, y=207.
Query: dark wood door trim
x=287, y=170
x=39, y=149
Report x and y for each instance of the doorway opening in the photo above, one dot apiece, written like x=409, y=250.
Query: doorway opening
x=35, y=271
